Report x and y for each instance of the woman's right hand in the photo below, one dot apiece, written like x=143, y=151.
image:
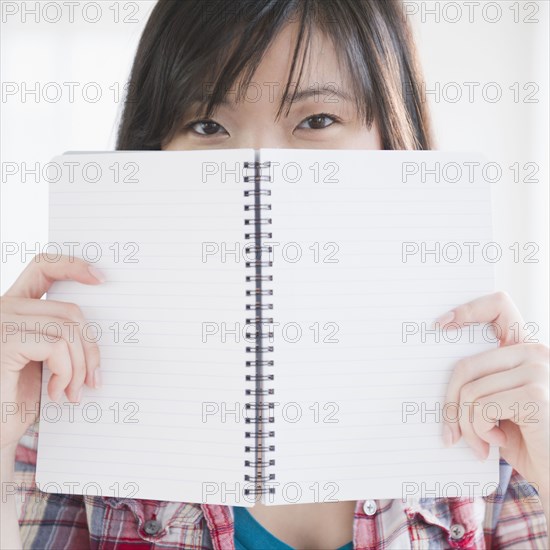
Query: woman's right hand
x=35, y=330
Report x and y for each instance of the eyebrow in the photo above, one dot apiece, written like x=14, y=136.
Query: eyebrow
x=329, y=89
x=326, y=90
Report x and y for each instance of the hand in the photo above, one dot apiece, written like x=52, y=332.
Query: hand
x=35, y=330
x=507, y=386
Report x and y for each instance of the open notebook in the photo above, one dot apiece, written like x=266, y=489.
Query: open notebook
x=265, y=329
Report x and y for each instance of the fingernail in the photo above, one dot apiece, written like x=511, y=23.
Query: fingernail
x=445, y=318
x=97, y=274
x=481, y=455
x=97, y=379
x=447, y=436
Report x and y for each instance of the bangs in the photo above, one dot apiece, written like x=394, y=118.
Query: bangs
x=232, y=61
x=192, y=54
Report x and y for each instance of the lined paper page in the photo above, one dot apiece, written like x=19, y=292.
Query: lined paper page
x=158, y=428
x=359, y=382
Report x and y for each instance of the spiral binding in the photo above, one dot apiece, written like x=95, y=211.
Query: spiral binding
x=263, y=410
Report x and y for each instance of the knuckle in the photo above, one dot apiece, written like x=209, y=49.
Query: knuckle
x=540, y=370
x=6, y=301
x=538, y=392
x=46, y=258
x=464, y=369
x=502, y=297
x=539, y=350
x=8, y=328
x=466, y=312
x=462, y=311
x=490, y=411
x=66, y=333
x=61, y=346
x=73, y=312
x=467, y=393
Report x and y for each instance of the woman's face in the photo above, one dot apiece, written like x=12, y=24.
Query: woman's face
x=322, y=116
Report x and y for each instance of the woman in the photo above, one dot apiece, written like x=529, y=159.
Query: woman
x=277, y=73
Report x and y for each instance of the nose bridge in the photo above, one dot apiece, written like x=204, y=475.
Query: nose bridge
x=258, y=126
x=257, y=136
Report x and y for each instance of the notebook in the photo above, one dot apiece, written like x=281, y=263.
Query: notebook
x=265, y=329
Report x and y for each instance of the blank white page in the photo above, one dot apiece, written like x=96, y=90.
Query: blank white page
x=160, y=222
x=353, y=385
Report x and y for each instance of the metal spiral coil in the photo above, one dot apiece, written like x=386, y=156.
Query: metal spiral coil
x=262, y=410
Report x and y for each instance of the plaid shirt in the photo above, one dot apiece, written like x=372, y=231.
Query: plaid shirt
x=514, y=519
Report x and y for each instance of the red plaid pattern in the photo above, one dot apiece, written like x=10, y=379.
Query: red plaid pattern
x=512, y=518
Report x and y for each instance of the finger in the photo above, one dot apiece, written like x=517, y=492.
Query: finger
x=482, y=424
x=498, y=309
x=501, y=381
x=495, y=360
x=43, y=270
x=61, y=372
x=469, y=409
x=484, y=364
x=36, y=328
x=519, y=406
x=72, y=313
x=58, y=360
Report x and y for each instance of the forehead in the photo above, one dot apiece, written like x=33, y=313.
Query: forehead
x=320, y=61
x=315, y=67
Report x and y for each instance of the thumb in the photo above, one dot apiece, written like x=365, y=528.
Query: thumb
x=43, y=270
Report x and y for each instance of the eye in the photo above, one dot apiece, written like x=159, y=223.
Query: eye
x=318, y=122
x=207, y=128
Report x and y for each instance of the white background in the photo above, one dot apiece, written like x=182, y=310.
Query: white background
x=492, y=44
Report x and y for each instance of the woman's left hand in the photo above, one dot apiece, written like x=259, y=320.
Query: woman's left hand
x=507, y=386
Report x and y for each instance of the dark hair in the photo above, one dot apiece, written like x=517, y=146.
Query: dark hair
x=187, y=44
